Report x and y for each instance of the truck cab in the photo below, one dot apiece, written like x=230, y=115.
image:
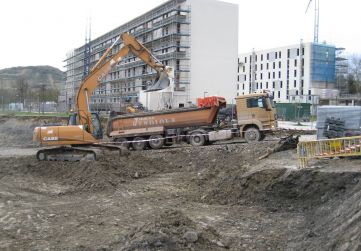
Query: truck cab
x=256, y=115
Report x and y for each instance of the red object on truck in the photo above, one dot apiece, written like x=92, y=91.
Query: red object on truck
x=211, y=101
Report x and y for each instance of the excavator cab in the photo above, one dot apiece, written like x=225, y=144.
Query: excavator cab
x=97, y=127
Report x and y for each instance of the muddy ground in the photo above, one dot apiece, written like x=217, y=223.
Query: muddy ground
x=218, y=197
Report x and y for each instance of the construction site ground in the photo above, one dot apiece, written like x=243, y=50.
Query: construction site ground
x=217, y=197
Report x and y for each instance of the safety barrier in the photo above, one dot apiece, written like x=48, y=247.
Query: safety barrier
x=339, y=147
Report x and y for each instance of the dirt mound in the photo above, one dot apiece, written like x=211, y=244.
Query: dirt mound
x=330, y=202
x=172, y=230
x=106, y=173
x=303, y=189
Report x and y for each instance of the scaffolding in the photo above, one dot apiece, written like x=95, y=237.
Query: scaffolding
x=165, y=30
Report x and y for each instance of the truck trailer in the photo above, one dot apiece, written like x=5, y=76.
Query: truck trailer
x=255, y=116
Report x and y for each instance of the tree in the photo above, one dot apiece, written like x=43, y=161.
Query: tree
x=351, y=84
x=354, y=78
x=22, y=89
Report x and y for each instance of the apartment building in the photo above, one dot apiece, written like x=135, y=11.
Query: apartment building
x=198, y=38
x=303, y=73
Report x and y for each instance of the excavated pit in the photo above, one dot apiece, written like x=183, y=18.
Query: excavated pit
x=218, y=197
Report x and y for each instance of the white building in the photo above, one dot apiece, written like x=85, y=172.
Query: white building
x=298, y=73
x=198, y=38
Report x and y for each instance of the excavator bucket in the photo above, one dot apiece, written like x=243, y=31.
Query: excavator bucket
x=161, y=82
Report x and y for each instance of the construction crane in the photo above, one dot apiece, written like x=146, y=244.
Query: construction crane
x=316, y=20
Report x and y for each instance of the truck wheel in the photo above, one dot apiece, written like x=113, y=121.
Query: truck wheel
x=123, y=142
x=197, y=139
x=252, y=134
x=139, y=143
x=156, y=141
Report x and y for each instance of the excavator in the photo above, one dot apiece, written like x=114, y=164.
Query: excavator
x=81, y=138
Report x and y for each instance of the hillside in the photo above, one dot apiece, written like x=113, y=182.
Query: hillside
x=34, y=76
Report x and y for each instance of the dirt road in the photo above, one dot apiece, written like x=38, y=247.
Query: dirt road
x=217, y=197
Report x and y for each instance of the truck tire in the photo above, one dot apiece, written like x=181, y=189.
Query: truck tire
x=156, y=141
x=197, y=139
x=139, y=143
x=252, y=134
x=123, y=142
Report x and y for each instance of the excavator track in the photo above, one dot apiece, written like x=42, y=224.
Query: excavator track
x=71, y=154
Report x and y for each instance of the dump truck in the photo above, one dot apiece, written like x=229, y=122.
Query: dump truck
x=255, y=116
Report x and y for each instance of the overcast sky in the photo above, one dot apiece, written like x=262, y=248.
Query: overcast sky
x=41, y=32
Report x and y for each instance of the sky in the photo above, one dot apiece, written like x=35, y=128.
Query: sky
x=41, y=32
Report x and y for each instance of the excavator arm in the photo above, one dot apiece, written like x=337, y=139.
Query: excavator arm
x=104, y=66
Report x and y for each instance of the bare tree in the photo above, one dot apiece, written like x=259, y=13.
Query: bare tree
x=355, y=73
x=21, y=89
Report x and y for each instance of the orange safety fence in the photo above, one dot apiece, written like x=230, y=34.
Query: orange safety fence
x=326, y=148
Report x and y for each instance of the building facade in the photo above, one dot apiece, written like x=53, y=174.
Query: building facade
x=302, y=73
x=183, y=34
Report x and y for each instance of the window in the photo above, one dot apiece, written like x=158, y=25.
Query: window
x=266, y=85
x=245, y=60
x=279, y=74
x=302, y=83
x=261, y=57
x=267, y=56
x=273, y=84
x=295, y=62
x=269, y=75
x=267, y=66
x=288, y=53
x=295, y=73
x=256, y=103
x=261, y=75
x=238, y=84
x=298, y=52
x=276, y=54
x=274, y=65
x=281, y=84
x=256, y=85
x=279, y=94
x=261, y=86
x=279, y=64
x=244, y=69
x=261, y=67
x=294, y=83
x=279, y=54
x=273, y=75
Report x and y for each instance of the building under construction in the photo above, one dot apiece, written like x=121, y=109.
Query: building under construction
x=182, y=34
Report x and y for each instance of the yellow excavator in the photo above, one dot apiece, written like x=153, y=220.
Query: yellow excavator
x=82, y=135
